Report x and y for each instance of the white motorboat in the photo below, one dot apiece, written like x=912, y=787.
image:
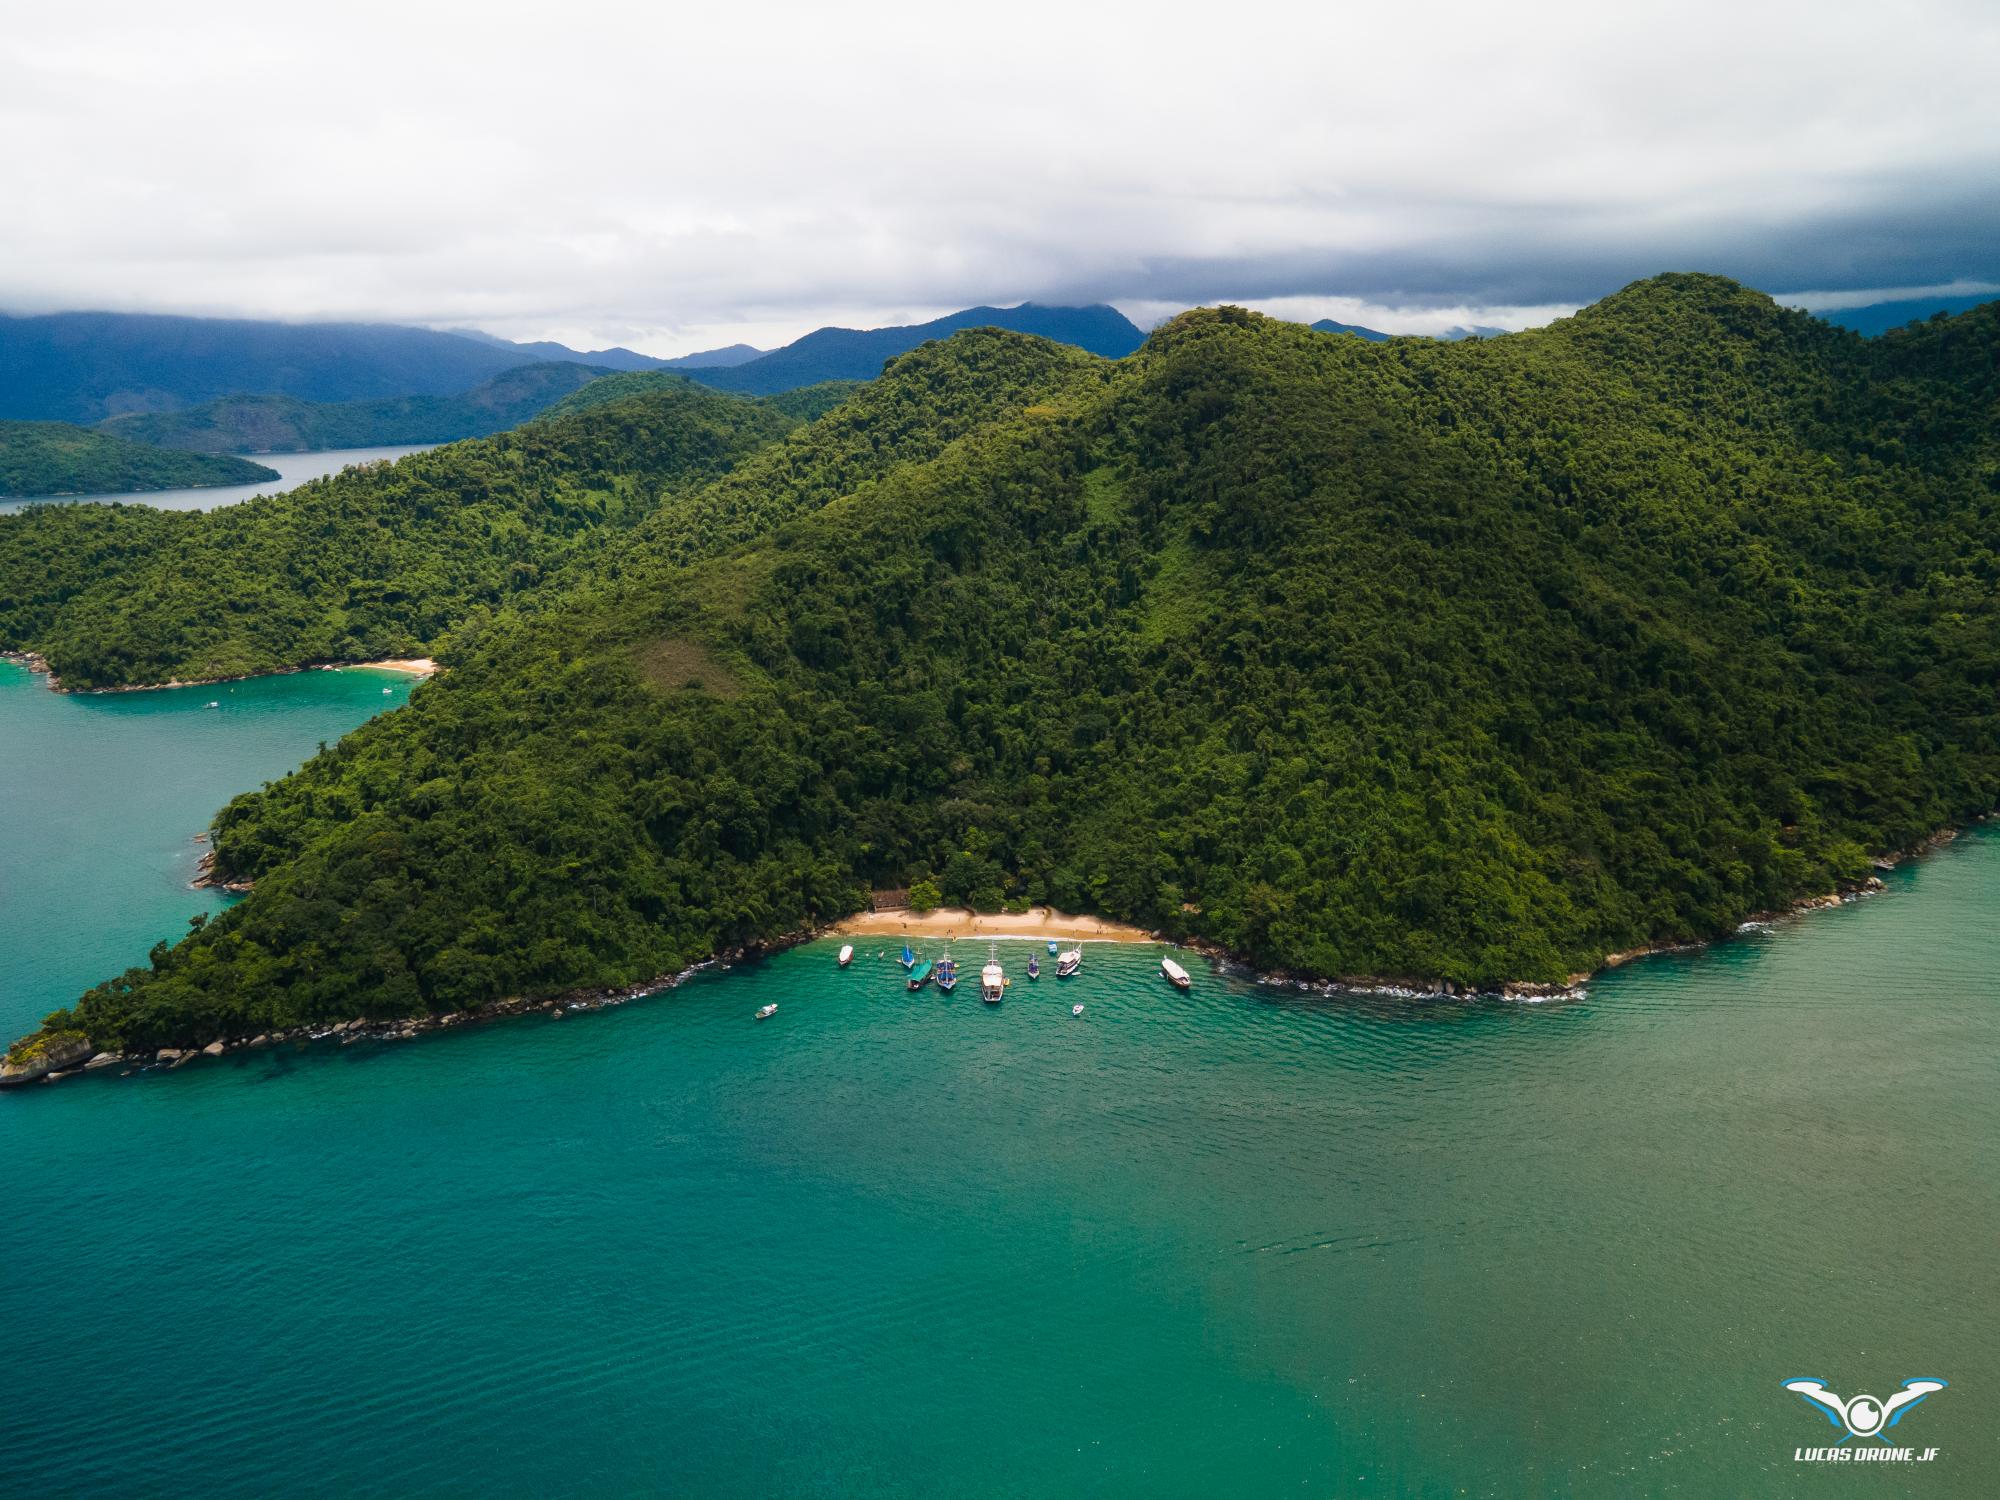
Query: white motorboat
x=768, y=1011
x=1176, y=975
x=846, y=954
x=1068, y=962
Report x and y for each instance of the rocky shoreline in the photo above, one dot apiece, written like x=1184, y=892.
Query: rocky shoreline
x=69, y=1059
x=73, y=1060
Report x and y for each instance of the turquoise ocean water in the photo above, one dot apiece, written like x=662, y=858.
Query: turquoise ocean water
x=1246, y=1241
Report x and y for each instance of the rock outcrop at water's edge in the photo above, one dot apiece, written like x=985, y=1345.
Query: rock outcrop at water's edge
x=35, y=1058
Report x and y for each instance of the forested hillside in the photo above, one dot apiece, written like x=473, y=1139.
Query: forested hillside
x=55, y=458
x=386, y=560
x=1468, y=662
x=285, y=424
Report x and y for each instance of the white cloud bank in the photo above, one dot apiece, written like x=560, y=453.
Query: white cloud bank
x=672, y=176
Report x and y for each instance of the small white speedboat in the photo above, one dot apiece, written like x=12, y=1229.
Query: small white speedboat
x=767, y=1012
x=1176, y=975
x=211, y=704
x=1076, y=1010
x=387, y=691
x=846, y=954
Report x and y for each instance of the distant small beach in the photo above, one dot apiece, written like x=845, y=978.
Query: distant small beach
x=417, y=666
x=956, y=921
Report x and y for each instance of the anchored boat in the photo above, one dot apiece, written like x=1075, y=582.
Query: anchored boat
x=1176, y=975
x=947, y=974
x=920, y=975
x=1034, y=968
x=768, y=1011
x=846, y=954
x=909, y=959
x=992, y=982
x=1068, y=963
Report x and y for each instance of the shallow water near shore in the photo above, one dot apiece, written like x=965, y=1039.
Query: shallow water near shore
x=1236, y=1242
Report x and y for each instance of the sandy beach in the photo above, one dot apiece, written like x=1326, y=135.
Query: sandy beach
x=952, y=921
x=418, y=666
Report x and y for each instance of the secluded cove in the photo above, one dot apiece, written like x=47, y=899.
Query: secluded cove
x=294, y=469
x=1238, y=1241
x=103, y=795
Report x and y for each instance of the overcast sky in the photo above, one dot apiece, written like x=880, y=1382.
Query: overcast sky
x=673, y=177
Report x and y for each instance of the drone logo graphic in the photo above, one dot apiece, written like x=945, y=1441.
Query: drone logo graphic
x=1864, y=1416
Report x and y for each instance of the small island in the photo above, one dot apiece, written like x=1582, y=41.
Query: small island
x=41, y=460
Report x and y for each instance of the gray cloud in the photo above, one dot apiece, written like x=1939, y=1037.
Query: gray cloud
x=670, y=177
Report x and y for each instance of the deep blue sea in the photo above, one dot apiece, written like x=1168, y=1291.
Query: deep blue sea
x=1244, y=1241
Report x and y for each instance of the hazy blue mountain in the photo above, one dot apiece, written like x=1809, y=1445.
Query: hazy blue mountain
x=625, y=359
x=84, y=366
x=1880, y=317
x=547, y=351
x=285, y=424
x=859, y=354
x=726, y=357
x=1327, y=325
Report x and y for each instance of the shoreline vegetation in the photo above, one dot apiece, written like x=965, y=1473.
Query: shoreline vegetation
x=54, y=1058
x=413, y=666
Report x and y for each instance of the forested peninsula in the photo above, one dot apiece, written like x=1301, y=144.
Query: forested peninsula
x=1473, y=661
x=53, y=458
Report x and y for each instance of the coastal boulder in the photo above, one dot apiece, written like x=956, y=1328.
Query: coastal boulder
x=213, y=1049
x=51, y=1054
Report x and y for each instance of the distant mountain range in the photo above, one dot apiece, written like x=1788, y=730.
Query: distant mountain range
x=1327, y=325
x=1880, y=317
x=625, y=360
x=859, y=354
x=84, y=366
x=285, y=424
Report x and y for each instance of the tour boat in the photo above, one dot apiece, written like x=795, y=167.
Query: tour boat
x=1034, y=968
x=909, y=959
x=947, y=974
x=992, y=982
x=920, y=975
x=1076, y=1010
x=846, y=954
x=1068, y=963
x=1176, y=975
x=767, y=1012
